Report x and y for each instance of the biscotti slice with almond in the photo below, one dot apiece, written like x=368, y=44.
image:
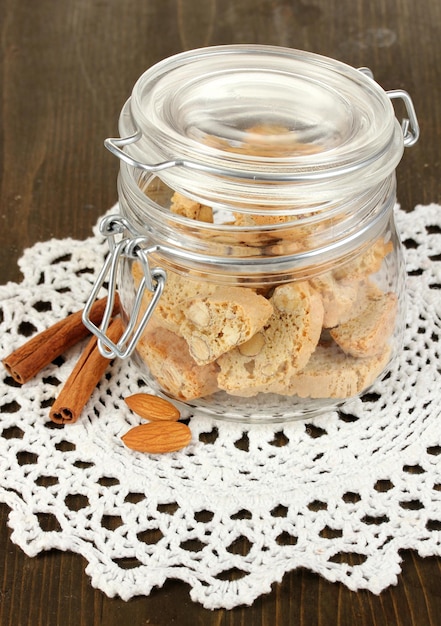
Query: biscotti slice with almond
x=171, y=305
x=169, y=361
x=365, y=264
x=216, y=323
x=368, y=332
x=281, y=348
x=331, y=373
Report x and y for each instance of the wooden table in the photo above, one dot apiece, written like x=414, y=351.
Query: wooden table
x=66, y=69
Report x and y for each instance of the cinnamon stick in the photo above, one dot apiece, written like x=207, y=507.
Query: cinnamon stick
x=25, y=362
x=83, y=379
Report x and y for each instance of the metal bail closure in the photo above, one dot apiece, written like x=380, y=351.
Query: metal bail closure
x=154, y=280
x=115, y=145
x=409, y=125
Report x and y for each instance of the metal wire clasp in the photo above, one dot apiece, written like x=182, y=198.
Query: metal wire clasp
x=153, y=279
x=409, y=125
x=115, y=145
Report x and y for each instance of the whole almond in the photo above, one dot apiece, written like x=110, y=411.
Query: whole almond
x=158, y=437
x=253, y=346
x=152, y=408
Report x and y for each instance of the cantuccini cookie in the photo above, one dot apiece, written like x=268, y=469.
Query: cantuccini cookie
x=339, y=297
x=368, y=332
x=365, y=264
x=331, y=373
x=282, y=347
x=216, y=323
x=169, y=361
x=181, y=205
x=169, y=311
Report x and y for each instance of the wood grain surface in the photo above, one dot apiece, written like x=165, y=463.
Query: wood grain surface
x=66, y=68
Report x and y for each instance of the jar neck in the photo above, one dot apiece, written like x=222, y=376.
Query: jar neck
x=240, y=181
x=300, y=242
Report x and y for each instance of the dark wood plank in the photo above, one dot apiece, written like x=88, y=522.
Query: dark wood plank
x=65, y=70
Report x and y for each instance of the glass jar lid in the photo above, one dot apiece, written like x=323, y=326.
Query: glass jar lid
x=216, y=121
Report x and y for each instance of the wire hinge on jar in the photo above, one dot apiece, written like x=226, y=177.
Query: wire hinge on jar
x=409, y=125
x=153, y=279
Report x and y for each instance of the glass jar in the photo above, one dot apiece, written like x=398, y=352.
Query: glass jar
x=256, y=258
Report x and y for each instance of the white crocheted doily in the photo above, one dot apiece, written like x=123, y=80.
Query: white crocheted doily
x=340, y=495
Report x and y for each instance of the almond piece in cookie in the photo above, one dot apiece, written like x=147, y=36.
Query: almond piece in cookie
x=283, y=347
x=217, y=323
x=367, y=334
